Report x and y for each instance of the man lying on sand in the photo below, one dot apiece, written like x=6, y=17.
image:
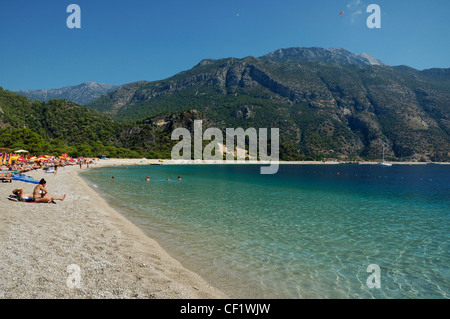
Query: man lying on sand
x=24, y=197
x=40, y=194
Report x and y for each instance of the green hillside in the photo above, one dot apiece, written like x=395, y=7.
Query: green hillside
x=326, y=103
x=56, y=127
x=322, y=109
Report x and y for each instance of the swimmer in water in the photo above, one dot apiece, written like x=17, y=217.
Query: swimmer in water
x=147, y=179
x=179, y=178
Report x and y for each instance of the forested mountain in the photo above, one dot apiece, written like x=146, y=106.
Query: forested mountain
x=326, y=102
x=56, y=127
x=60, y=126
x=80, y=94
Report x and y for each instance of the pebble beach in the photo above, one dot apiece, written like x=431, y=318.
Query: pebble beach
x=82, y=248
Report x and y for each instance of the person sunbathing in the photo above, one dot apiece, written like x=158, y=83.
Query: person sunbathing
x=23, y=197
x=41, y=195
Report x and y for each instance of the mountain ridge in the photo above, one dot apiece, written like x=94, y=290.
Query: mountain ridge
x=327, y=103
x=344, y=105
x=338, y=56
x=81, y=94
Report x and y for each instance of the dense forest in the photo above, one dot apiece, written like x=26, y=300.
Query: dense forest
x=56, y=127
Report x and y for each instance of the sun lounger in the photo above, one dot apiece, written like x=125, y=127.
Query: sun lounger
x=6, y=179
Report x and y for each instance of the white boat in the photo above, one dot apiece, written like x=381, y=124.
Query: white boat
x=384, y=163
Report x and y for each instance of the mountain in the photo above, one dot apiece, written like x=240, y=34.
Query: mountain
x=60, y=126
x=152, y=136
x=56, y=127
x=323, y=56
x=80, y=94
x=326, y=102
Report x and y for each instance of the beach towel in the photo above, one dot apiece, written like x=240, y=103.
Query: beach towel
x=14, y=198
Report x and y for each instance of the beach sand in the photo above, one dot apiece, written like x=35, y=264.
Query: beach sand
x=40, y=243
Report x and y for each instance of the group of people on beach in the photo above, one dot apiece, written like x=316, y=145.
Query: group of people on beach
x=28, y=167
x=39, y=195
x=23, y=167
x=86, y=162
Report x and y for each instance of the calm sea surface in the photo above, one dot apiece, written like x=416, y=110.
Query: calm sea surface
x=309, y=231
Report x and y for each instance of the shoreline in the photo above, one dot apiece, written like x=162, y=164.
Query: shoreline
x=124, y=162
x=116, y=258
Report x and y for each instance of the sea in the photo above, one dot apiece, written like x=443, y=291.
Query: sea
x=309, y=231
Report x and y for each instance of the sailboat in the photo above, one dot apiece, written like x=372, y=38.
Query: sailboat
x=384, y=163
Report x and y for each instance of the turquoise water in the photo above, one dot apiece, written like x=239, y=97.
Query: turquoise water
x=309, y=231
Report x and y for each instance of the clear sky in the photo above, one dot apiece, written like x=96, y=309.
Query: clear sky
x=125, y=41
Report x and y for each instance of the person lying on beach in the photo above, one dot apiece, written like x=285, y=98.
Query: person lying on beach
x=41, y=195
x=23, y=197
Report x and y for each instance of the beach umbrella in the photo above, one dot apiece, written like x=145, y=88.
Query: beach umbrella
x=6, y=151
x=21, y=151
x=21, y=159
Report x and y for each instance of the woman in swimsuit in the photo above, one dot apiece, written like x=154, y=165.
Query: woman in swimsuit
x=41, y=195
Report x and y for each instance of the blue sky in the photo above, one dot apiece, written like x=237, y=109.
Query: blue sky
x=125, y=41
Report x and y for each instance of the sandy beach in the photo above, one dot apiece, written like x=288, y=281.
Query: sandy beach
x=82, y=248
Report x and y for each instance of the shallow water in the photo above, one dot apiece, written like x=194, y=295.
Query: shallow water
x=309, y=231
